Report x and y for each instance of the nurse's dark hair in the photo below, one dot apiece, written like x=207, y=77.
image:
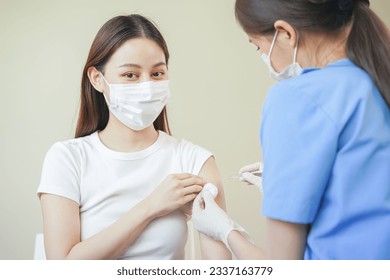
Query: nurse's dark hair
x=94, y=113
x=368, y=44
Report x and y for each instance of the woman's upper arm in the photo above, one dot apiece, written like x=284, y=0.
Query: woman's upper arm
x=59, y=195
x=210, y=174
x=61, y=218
x=212, y=249
x=285, y=240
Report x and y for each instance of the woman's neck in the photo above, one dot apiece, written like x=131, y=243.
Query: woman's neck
x=118, y=137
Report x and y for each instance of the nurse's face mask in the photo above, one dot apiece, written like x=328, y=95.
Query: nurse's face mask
x=289, y=71
x=137, y=105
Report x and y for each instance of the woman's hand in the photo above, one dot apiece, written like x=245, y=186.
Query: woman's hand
x=174, y=192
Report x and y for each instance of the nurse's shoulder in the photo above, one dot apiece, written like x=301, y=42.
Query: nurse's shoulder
x=336, y=89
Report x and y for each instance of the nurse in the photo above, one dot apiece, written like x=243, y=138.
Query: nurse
x=325, y=133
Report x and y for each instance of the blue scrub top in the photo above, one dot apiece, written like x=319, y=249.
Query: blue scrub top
x=325, y=139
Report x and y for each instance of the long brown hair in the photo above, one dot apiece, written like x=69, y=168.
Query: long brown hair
x=368, y=43
x=94, y=113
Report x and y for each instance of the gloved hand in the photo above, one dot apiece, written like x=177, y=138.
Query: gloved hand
x=252, y=174
x=212, y=220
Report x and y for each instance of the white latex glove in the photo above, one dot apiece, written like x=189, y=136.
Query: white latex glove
x=212, y=220
x=252, y=174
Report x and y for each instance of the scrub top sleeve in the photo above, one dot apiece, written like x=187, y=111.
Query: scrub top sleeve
x=299, y=144
x=60, y=174
x=193, y=157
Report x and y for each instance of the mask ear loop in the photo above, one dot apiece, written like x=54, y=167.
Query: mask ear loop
x=273, y=43
x=101, y=74
x=296, y=49
x=108, y=103
x=272, y=47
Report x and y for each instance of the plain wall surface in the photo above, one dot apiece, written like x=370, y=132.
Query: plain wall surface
x=218, y=86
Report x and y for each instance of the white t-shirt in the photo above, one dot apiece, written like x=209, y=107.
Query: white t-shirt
x=106, y=184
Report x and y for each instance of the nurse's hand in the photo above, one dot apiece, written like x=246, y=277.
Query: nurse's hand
x=251, y=174
x=209, y=219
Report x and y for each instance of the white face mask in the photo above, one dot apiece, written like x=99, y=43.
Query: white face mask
x=137, y=105
x=290, y=71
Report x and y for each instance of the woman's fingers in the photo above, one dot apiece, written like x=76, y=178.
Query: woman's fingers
x=181, y=176
x=194, y=189
x=189, y=197
x=194, y=180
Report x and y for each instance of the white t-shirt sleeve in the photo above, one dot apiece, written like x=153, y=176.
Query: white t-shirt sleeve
x=193, y=157
x=61, y=172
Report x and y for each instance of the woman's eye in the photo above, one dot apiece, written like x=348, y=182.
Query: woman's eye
x=157, y=74
x=130, y=75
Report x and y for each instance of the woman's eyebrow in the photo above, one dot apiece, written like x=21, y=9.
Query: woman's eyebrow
x=160, y=64
x=130, y=65
x=139, y=66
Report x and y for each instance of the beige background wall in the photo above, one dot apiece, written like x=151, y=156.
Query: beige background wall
x=218, y=87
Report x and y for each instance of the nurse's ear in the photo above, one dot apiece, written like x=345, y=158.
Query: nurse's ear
x=288, y=34
x=95, y=77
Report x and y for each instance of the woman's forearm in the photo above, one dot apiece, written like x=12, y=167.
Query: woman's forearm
x=113, y=241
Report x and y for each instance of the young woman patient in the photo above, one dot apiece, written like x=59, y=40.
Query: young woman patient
x=124, y=187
